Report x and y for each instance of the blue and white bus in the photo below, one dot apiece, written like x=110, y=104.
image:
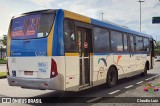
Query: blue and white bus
x=62, y=50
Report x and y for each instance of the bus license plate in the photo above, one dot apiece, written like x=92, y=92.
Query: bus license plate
x=14, y=73
x=28, y=73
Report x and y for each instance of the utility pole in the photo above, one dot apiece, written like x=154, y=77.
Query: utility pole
x=1, y=52
x=140, y=1
x=102, y=16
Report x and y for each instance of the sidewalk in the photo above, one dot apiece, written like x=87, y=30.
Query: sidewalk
x=2, y=67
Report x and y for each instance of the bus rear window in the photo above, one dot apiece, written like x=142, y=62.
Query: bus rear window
x=32, y=26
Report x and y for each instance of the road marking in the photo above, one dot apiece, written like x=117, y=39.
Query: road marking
x=139, y=82
x=114, y=92
x=94, y=99
x=152, y=77
x=128, y=86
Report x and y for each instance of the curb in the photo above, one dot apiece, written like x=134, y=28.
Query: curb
x=3, y=77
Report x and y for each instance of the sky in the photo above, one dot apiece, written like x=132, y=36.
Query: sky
x=122, y=12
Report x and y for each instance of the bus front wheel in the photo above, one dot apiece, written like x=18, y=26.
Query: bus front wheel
x=112, y=77
x=145, y=71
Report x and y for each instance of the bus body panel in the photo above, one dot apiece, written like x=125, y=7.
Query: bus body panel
x=38, y=83
x=41, y=68
x=123, y=61
x=72, y=71
x=101, y=65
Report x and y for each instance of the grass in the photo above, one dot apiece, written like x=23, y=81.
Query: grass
x=3, y=74
x=2, y=61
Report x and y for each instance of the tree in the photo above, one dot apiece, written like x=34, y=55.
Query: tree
x=4, y=40
x=157, y=48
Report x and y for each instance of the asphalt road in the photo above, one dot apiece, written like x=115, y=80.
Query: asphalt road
x=128, y=87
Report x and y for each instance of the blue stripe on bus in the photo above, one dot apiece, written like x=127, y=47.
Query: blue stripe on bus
x=58, y=40
x=115, y=27
x=119, y=53
x=21, y=48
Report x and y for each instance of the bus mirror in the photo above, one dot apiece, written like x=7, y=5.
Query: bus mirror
x=154, y=42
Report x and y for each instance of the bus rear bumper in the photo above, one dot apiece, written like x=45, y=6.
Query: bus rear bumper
x=56, y=83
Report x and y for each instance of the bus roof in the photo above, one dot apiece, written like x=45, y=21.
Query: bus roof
x=34, y=12
x=106, y=24
x=117, y=27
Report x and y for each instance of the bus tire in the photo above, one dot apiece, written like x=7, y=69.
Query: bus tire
x=145, y=71
x=112, y=77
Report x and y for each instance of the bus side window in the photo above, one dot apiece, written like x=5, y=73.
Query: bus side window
x=131, y=39
x=69, y=36
x=101, y=40
x=116, y=41
x=139, y=44
x=45, y=25
x=146, y=44
x=125, y=42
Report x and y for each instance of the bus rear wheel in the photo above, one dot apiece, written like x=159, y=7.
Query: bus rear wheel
x=112, y=77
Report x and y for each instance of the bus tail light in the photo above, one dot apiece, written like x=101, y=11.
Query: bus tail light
x=53, y=69
x=7, y=67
